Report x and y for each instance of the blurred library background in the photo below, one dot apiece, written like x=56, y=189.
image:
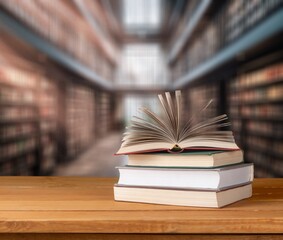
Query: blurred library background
x=74, y=72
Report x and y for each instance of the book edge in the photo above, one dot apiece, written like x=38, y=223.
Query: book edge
x=185, y=189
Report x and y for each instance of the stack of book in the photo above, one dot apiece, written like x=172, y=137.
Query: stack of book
x=191, y=164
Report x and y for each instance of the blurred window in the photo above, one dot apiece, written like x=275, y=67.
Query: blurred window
x=139, y=14
x=143, y=65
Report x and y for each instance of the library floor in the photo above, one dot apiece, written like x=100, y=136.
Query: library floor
x=98, y=160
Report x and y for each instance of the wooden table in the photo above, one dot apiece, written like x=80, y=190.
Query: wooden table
x=83, y=208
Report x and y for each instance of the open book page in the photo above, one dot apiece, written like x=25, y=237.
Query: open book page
x=143, y=147
x=156, y=128
x=156, y=132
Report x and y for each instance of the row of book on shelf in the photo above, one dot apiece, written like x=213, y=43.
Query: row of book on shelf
x=263, y=76
x=274, y=129
x=190, y=164
x=261, y=110
x=271, y=93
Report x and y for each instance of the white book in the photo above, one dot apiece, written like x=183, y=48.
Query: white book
x=193, y=178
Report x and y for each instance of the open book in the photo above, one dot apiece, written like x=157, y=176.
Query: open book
x=160, y=133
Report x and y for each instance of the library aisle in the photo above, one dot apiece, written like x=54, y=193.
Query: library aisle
x=98, y=160
x=74, y=72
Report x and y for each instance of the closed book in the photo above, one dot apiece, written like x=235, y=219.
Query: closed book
x=182, y=197
x=193, y=178
x=205, y=159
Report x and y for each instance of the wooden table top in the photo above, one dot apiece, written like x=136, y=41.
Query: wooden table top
x=86, y=205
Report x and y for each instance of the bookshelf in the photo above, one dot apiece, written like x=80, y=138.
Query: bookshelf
x=19, y=122
x=212, y=47
x=80, y=110
x=31, y=105
x=47, y=100
x=49, y=117
x=45, y=115
x=59, y=30
x=104, y=113
x=88, y=60
x=256, y=114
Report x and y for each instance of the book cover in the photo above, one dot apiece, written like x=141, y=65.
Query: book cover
x=197, y=159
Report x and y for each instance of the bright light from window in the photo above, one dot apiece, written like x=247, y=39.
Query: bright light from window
x=142, y=65
x=142, y=13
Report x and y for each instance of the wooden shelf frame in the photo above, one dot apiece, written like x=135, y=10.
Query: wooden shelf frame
x=258, y=102
x=257, y=118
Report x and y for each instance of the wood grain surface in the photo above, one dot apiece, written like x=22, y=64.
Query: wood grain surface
x=101, y=236
x=86, y=205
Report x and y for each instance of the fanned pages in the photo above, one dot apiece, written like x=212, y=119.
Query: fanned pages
x=166, y=132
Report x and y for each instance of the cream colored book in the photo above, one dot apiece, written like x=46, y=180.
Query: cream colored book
x=182, y=197
x=197, y=159
x=166, y=132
